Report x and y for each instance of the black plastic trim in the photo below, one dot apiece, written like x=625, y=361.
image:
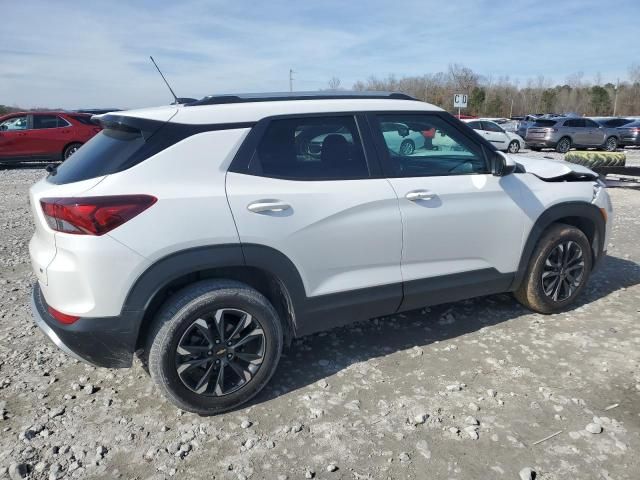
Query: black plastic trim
x=105, y=342
x=454, y=287
x=288, y=96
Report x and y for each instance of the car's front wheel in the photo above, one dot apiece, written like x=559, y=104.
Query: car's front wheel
x=214, y=345
x=558, y=270
x=70, y=150
x=514, y=147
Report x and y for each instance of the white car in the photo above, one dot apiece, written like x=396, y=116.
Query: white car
x=505, y=141
x=205, y=237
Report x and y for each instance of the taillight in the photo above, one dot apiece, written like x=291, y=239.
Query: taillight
x=93, y=215
x=62, y=317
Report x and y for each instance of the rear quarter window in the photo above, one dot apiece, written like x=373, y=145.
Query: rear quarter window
x=107, y=152
x=544, y=123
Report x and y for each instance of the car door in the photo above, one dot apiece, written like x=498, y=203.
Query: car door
x=311, y=191
x=594, y=133
x=462, y=226
x=49, y=135
x=494, y=134
x=14, y=142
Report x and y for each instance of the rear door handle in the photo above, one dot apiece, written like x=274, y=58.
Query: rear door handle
x=268, y=206
x=419, y=195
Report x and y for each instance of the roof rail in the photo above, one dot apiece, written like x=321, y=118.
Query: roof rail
x=281, y=96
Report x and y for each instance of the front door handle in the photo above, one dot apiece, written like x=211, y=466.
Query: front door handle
x=268, y=206
x=419, y=195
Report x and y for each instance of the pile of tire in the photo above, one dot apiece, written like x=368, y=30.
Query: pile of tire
x=597, y=159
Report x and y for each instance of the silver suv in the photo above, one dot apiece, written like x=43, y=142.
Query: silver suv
x=565, y=133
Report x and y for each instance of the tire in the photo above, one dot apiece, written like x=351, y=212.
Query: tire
x=185, y=337
x=70, y=150
x=563, y=145
x=611, y=144
x=514, y=147
x=538, y=292
x=407, y=147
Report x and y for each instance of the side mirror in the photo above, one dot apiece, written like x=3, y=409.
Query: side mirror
x=502, y=165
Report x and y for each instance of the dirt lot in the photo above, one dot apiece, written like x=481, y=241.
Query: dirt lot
x=458, y=391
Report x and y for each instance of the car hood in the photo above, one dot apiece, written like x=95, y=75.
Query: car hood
x=554, y=170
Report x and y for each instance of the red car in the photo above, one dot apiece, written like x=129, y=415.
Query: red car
x=43, y=136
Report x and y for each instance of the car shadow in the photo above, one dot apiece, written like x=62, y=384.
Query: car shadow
x=24, y=165
x=321, y=355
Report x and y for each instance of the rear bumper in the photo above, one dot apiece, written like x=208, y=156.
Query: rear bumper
x=630, y=141
x=103, y=342
x=540, y=143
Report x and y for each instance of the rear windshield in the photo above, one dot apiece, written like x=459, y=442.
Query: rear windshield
x=107, y=152
x=544, y=123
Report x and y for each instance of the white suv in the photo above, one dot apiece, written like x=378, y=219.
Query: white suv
x=205, y=237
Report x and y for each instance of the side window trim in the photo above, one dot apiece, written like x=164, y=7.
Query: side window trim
x=242, y=160
x=381, y=147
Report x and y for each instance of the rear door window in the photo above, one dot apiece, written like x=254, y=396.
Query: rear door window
x=544, y=123
x=311, y=148
x=491, y=127
x=41, y=122
x=574, y=123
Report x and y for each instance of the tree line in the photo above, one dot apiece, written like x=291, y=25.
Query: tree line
x=503, y=97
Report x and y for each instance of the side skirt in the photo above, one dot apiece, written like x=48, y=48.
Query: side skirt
x=329, y=311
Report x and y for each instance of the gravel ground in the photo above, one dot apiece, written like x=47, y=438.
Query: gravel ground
x=459, y=391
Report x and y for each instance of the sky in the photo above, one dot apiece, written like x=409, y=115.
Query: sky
x=94, y=54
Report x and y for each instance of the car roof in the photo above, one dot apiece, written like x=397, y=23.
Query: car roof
x=253, y=110
x=43, y=112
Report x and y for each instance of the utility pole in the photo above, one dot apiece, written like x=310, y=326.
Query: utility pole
x=291, y=72
x=615, y=97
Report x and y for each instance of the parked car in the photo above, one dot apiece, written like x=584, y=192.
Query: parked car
x=403, y=140
x=500, y=138
x=207, y=248
x=43, y=136
x=564, y=133
x=629, y=134
x=525, y=123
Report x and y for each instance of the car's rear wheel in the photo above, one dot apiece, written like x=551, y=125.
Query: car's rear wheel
x=558, y=270
x=564, y=145
x=407, y=147
x=611, y=145
x=70, y=150
x=214, y=345
x=514, y=147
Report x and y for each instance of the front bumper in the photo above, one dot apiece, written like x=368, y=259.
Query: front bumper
x=102, y=342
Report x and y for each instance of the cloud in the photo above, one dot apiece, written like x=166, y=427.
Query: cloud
x=79, y=54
